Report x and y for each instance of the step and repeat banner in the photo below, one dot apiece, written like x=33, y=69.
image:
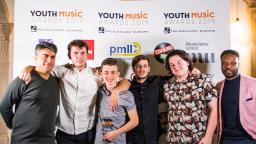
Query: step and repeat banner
x=123, y=29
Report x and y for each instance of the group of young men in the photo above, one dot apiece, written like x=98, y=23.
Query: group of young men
x=118, y=107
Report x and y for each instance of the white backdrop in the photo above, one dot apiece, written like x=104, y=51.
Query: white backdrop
x=123, y=29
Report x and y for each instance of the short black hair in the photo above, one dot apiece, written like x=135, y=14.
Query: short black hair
x=46, y=45
x=229, y=51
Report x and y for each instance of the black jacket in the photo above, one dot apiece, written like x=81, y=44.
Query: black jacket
x=147, y=96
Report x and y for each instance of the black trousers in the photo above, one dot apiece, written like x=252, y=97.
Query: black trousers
x=83, y=138
x=139, y=139
x=238, y=141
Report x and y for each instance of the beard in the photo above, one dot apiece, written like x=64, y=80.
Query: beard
x=141, y=77
x=230, y=74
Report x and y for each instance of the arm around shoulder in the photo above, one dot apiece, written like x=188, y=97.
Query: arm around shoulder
x=123, y=85
x=133, y=122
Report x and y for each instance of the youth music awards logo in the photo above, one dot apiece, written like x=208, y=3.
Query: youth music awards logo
x=56, y=20
x=201, y=19
x=132, y=22
x=126, y=51
x=57, y=16
x=193, y=17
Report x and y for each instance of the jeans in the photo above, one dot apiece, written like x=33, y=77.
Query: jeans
x=83, y=138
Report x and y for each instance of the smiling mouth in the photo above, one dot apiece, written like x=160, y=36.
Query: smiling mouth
x=177, y=70
x=110, y=80
x=228, y=71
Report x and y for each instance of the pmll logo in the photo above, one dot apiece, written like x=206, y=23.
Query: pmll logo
x=126, y=51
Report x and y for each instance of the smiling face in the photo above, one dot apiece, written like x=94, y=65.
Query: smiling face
x=230, y=66
x=110, y=75
x=78, y=56
x=45, y=60
x=141, y=70
x=178, y=67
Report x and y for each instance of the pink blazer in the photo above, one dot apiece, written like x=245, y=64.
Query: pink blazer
x=247, y=105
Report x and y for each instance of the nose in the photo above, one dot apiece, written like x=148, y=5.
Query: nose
x=79, y=55
x=228, y=65
x=173, y=66
x=50, y=60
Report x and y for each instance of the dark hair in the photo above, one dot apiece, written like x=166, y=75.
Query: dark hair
x=183, y=55
x=138, y=58
x=229, y=51
x=79, y=43
x=109, y=62
x=46, y=45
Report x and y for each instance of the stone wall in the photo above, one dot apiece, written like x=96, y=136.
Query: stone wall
x=5, y=31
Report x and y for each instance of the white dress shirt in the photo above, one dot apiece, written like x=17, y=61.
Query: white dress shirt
x=78, y=99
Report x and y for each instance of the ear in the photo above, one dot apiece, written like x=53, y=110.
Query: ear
x=35, y=57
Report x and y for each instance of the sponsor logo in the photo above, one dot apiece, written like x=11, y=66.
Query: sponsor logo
x=33, y=28
x=194, y=17
x=57, y=16
x=167, y=30
x=134, y=19
x=128, y=50
x=60, y=13
x=41, y=40
x=202, y=57
x=127, y=16
x=196, y=45
x=164, y=48
x=101, y=30
x=90, y=55
x=161, y=51
x=200, y=14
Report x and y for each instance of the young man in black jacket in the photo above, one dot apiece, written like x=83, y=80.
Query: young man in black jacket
x=147, y=95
